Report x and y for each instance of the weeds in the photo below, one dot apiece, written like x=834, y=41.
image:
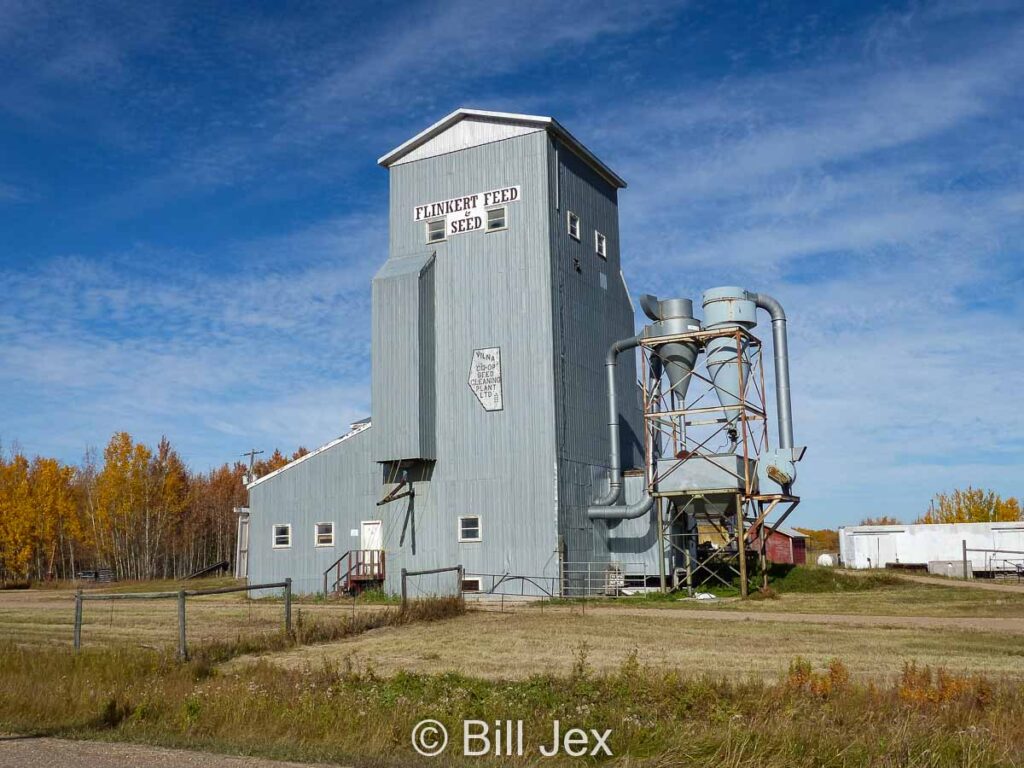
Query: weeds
x=918, y=685
x=580, y=665
x=803, y=679
x=341, y=713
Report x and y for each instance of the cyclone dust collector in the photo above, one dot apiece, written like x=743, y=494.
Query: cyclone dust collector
x=714, y=481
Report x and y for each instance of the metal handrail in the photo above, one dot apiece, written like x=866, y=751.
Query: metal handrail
x=359, y=566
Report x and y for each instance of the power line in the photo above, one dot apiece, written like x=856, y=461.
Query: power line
x=252, y=454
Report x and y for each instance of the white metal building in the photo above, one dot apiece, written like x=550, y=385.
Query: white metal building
x=876, y=546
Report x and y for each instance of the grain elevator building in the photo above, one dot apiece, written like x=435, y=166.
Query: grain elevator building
x=492, y=314
x=507, y=431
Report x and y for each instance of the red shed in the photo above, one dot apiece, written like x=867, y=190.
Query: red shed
x=785, y=546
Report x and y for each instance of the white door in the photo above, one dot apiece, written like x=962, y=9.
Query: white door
x=371, y=535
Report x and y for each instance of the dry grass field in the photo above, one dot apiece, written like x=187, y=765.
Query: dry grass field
x=516, y=645
x=836, y=669
x=46, y=616
x=873, y=623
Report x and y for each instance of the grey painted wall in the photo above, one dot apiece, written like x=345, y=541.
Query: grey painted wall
x=590, y=312
x=491, y=289
x=337, y=485
x=403, y=383
x=529, y=470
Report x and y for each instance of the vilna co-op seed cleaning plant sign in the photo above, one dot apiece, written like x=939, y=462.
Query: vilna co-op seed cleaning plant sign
x=485, y=377
x=466, y=213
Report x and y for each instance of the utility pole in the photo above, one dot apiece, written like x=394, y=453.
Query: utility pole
x=252, y=454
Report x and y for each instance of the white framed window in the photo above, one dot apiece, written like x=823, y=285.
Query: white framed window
x=282, y=535
x=471, y=585
x=600, y=245
x=574, y=225
x=436, y=231
x=323, y=535
x=497, y=219
x=469, y=528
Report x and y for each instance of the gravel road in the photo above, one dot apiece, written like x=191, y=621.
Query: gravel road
x=34, y=752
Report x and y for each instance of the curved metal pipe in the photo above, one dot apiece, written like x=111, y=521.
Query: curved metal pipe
x=606, y=506
x=780, y=347
x=611, y=496
x=632, y=511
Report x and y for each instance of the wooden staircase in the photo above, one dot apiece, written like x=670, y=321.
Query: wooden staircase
x=354, y=572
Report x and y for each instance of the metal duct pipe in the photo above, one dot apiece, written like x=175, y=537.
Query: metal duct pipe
x=606, y=507
x=780, y=347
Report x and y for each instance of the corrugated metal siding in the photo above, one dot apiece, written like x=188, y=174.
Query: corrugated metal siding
x=338, y=485
x=490, y=290
x=529, y=471
x=635, y=541
x=403, y=362
x=427, y=362
x=588, y=315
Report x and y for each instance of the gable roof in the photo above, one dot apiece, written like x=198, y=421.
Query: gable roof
x=472, y=127
x=792, y=533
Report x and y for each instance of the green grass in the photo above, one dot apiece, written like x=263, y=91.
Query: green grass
x=809, y=589
x=367, y=597
x=811, y=580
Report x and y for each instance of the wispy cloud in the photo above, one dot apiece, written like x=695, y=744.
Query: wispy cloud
x=866, y=196
x=372, y=83
x=867, y=171
x=260, y=353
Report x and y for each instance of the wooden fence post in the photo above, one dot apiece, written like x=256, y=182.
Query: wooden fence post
x=405, y=595
x=965, y=558
x=78, y=620
x=288, y=605
x=182, y=647
x=461, y=575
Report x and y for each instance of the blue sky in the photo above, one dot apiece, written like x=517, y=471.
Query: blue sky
x=191, y=211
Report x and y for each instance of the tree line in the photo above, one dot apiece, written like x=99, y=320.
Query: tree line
x=138, y=511
x=963, y=505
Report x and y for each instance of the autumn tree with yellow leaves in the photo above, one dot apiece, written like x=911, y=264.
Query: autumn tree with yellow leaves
x=139, y=512
x=971, y=505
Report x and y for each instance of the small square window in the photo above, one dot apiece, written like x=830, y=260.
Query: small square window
x=574, y=226
x=324, y=535
x=469, y=528
x=436, y=230
x=471, y=585
x=600, y=245
x=497, y=218
x=282, y=536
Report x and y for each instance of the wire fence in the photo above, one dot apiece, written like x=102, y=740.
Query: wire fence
x=433, y=582
x=181, y=597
